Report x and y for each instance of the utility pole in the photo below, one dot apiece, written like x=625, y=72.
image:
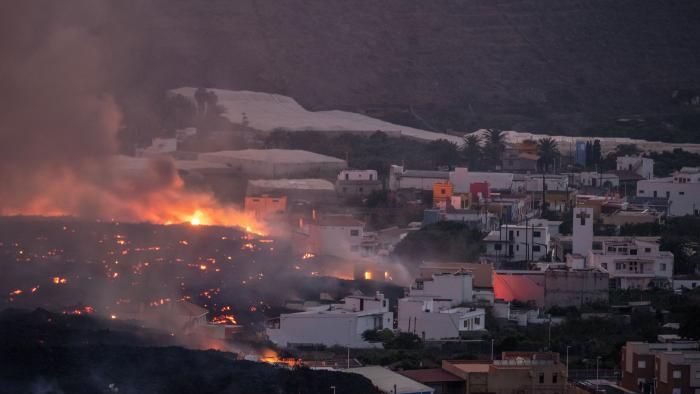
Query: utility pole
x=597, y=375
x=492, y=349
x=567, y=367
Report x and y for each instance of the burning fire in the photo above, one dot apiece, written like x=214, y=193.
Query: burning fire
x=126, y=199
x=224, y=319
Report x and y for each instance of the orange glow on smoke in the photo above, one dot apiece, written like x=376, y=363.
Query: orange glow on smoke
x=125, y=198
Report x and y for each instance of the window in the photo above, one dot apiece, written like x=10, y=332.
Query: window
x=275, y=200
x=663, y=267
x=633, y=252
x=477, y=321
x=517, y=233
x=497, y=247
x=619, y=266
x=354, y=233
x=647, y=250
x=541, y=377
x=681, y=193
x=641, y=192
x=371, y=177
x=656, y=194
x=641, y=364
x=555, y=377
x=256, y=200
x=536, y=234
x=347, y=176
x=676, y=374
x=604, y=265
x=536, y=248
x=668, y=194
x=611, y=249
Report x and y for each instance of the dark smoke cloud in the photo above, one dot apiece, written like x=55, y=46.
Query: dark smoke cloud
x=57, y=116
x=62, y=63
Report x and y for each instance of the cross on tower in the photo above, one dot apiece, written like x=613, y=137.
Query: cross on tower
x=583, y=215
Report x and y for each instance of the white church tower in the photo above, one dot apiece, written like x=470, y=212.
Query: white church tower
x=583, y=231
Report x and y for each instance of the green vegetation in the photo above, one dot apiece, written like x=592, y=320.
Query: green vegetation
x=445, y=241
x=392, y=340
x=549, y=153
x=667, y=162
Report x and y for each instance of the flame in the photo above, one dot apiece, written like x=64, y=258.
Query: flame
x=368, y=275
x=146, y=197
x=224, y=319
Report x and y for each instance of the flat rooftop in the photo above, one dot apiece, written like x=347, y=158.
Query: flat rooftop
x=299, y=184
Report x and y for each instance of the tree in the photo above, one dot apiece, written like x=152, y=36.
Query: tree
x=548, y=151
x=472, y=151
x=589, y=154
x=449, y=241
x=494, y=146
x=596, y=153
x=443, y=152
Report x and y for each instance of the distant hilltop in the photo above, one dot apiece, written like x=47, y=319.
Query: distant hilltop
x=268, y=112
x=545, y=65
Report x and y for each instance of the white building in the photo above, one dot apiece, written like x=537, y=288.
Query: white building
x=596, y=179
x=461, y=178
x=583, y=231
x=334, y=235
x=435, y=319
x=533, y=183
x=689, y=282
x=357, y=182
x=457, y=288
x=518, y=243
x=333, y=325
x=631, y=262
x=682, y=191
x=641, y=166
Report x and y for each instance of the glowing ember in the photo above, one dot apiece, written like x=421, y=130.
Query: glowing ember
x=16, y=292
x=57, y=280
x=308, y=255
x=224, y=319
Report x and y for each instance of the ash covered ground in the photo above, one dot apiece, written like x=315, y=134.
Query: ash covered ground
x=75, y=266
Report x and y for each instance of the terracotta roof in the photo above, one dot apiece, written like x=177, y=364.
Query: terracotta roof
x=432, y=375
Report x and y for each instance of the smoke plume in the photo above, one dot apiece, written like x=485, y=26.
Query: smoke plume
x=59, y=122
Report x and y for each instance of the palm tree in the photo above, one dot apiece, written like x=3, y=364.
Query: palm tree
x=472, y=151
x=548, y=151
x=494, y=146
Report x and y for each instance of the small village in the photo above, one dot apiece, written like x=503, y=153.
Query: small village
x=540, y=238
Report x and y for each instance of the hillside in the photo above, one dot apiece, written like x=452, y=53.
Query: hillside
x=529, y=65
x=547, y=64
